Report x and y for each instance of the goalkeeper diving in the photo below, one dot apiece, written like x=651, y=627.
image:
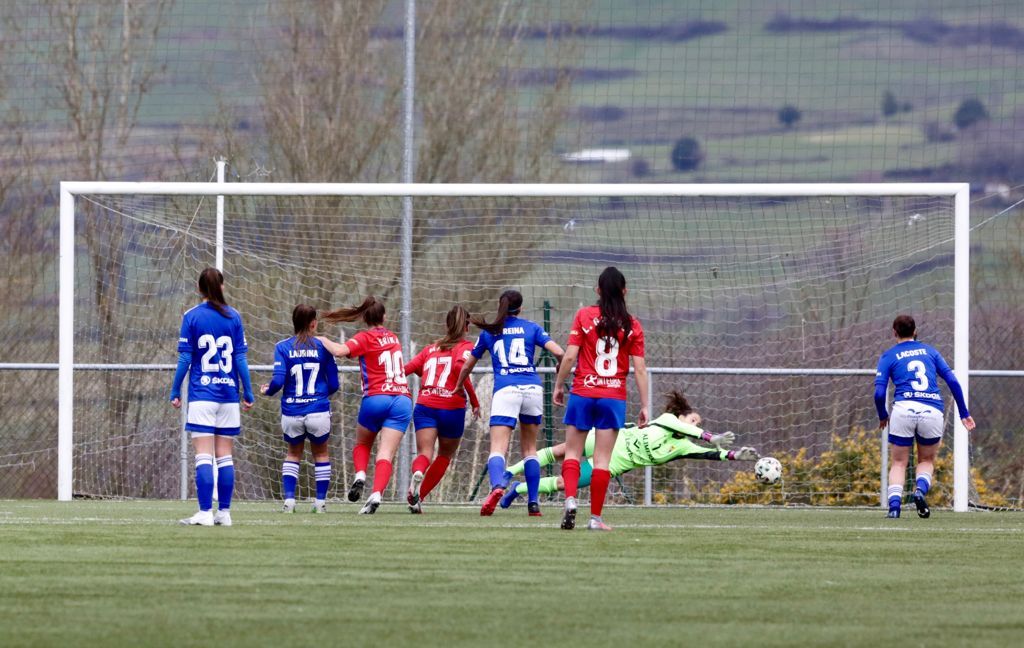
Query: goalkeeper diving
x=667, y=438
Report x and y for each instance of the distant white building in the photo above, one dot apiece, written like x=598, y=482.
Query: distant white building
x=603, y=156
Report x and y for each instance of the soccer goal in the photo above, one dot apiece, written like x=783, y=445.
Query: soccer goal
x=767, y=304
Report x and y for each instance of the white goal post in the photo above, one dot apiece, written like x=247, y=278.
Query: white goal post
x=958, y=192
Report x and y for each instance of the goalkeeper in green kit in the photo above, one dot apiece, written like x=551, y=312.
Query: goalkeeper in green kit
x=665, y=439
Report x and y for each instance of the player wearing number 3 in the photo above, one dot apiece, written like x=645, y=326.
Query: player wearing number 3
x=308, y=374
x=605, y=338
x=212, y=343
x=518, y=394
x=914, y=369
x=387, y=405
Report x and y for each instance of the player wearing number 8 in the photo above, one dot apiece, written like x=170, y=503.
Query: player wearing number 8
x=605, y=338
x=387, y=405
x=212, y=350
x=308, y=374
x=914, y=369
x=518, y=394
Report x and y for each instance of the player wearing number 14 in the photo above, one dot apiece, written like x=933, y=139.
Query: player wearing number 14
x=387, y=405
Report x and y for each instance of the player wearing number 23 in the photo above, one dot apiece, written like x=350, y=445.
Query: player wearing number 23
x=212, y=350
x=387, y=405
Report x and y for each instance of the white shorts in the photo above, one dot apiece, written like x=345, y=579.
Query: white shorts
x=523, y=403
x=206, y=418
x=316, y=427
x=911, y=420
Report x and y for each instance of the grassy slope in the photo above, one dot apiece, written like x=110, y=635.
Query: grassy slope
x=92, y=573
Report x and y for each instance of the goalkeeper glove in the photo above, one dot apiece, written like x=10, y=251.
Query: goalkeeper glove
x=722, y=441
x=744, y=454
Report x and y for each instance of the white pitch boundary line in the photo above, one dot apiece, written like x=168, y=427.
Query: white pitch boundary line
x=104, y=521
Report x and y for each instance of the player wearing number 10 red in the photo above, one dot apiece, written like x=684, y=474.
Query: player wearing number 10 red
x=387, y=405
x=440, y=412
x=605, y=337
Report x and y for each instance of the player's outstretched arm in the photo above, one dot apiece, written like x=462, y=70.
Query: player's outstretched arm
x=947, y=375
x=467, y=368
x=336, y=349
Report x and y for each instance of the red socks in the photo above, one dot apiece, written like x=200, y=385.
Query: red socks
x=433, y=475
x=420, y=463
x=381, y=475
x=361, y=457
x=571, y=477
x=598, y=489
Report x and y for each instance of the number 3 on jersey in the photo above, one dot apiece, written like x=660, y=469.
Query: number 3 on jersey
x=607, y=363
x=516, y=352
x=921, y=373
x=393, y=367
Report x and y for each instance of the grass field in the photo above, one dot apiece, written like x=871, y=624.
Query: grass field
x=123, y=573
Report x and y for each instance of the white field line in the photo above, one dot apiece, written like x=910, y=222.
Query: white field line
x=342, y=522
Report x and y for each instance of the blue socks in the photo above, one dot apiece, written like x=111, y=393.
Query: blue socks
x=531, y=470
x=895, y=496
x=496, y=470
x=289, y=479
x=204, y=481
x=924, y=482
x=323, y=479
x=225, y=482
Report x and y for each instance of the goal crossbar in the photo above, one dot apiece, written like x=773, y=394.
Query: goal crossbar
x=960, y=192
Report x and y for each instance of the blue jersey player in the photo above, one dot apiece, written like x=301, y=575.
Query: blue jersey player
x=307, y=372
x=212, y=351
x=914, y=369
x=518, y=394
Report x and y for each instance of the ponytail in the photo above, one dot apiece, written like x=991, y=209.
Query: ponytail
x=457, y=320
x=615, y=318
x=676, y=403
x=303, y=317
x=211, y=286
x=371, y=311
x=510, y=303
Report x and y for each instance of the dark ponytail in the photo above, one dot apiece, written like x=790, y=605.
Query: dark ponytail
x=457, y=320
x=676, y=403
x=612, y=302
x=371, y=311
x=211, y=286
x=510, y=303
x=303, y=317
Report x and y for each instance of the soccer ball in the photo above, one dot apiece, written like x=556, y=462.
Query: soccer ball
x=768, y=470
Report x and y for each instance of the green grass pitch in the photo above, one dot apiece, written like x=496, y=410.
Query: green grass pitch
x=124, y=573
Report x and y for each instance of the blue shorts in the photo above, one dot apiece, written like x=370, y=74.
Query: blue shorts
x=450, y=423
x=383, y=411
x=600, y=413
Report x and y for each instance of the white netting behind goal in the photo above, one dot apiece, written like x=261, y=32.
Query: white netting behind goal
x=717, y=282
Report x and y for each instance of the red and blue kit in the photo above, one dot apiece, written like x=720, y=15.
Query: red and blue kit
x=380, y=362
x=440, y=403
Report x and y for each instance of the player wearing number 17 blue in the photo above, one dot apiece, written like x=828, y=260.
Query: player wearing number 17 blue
x=518, y=393
x=212, y=344
x=309, y=375
x=914, y=369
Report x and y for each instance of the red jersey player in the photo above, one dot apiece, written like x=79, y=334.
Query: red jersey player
x=387, y=405
x=440, y=412
x=605, y=338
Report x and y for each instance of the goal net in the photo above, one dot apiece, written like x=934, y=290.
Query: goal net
x=767, y=306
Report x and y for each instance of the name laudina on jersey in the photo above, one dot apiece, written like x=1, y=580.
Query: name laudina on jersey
x=304, y=353
x=911, y=353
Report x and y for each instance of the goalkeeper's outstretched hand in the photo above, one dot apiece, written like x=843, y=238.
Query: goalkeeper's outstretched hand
x=746, y=454
x=724, y=440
